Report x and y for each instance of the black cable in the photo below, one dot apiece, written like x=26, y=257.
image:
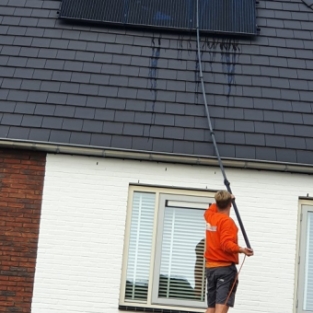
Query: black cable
x=226, y=182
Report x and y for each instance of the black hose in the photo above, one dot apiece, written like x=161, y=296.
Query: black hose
x=226, y=182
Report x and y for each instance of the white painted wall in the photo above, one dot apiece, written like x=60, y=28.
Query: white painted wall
x=83, y=219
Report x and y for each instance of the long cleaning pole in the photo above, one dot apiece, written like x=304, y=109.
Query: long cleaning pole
x=226, y=182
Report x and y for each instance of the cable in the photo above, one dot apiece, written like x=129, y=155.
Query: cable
x=226, y=182
x=235, y=281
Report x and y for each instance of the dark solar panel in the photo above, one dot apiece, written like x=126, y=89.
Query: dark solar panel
x=216, y=16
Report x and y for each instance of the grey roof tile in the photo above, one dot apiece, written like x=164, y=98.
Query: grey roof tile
x=265, y=153
x=184, y=121
x=71, y=124
x=286, y=155
x=122, y=141
x=264, y=127
x=54, y=64
x=194, y=134
x=39, y=134
x=31, y=121
x=64, y=111
x=42, y=74
x=31, y=84
x=61, y=76
x=284, y=129
x=76, y=100
x=292, y=118
x=174, y=133
x=4, y=94
x=304, y=157
x=11, y=83
x=275, y=141
x=244, y=126
x=80, y=78
x=80, y=138
x=152, y=131
x=24, y=73
x=163, y=145
x=113, y=128
x=92, y=126
x=124, y=116
x=255, y=139
x=104, y=115
x=133, y=130
x=128, y=93
x=69, y=88
x=245, y=152
x=142, y=143
x=17, y=95
x=88, y=89
x=273, y=116
x=115, y=103
x=50, y=86
x=3, y=60
x=84, y=113
x=36, y=63
x=166, y=120
x=47, y=53
x=57, y=98
x=4, y=131
x=6, y=40
x=234, y=138
x=44, y=109
x=221, y=124
x=57, y=43
x=303, y=131
x=11, y=119
x=17, y=61
x=10, y=50
x=92, y=67
x=295, y=143
x=36, y=97
x=52, y=122
x=18, y=133
x=101, y=140
x=143, y=118
x=6, y=106
x=60, y=136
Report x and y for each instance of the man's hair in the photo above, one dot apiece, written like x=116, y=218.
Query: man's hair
x=223, y=199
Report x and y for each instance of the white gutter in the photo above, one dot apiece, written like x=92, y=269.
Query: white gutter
x=155, y=156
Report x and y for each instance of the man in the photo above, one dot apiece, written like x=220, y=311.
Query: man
x=221, y=254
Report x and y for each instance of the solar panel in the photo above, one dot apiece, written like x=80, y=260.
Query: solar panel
x=216, y=16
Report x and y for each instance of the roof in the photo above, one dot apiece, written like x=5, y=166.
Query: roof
x=89, y=85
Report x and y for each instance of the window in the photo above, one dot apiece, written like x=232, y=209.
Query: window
x=305, y=282
x=216, y=16
x=164, y=264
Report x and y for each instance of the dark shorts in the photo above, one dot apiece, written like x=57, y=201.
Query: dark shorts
x=219, y=283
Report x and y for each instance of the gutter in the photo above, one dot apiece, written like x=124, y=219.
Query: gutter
x=141, y=155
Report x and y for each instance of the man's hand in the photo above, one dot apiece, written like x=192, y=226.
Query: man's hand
x=246, y=251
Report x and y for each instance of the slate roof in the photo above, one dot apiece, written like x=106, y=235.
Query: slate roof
x=89, y=85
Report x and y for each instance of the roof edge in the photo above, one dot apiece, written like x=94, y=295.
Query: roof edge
x=107, y=152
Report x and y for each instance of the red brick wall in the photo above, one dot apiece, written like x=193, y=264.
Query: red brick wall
x=21, y=184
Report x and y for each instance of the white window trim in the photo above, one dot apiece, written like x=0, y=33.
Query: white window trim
x=158, y=190
x=299, y=256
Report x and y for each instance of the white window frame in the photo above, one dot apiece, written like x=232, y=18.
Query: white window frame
x=306, y=207
x=178, y=197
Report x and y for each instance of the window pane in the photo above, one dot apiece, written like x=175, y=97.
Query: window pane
x=182, y=262
x=308, y=288
x=140, y=243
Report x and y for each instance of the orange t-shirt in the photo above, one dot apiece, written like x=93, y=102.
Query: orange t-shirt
x=221, y=248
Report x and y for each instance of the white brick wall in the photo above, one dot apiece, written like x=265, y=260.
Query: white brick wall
x=83, y=219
